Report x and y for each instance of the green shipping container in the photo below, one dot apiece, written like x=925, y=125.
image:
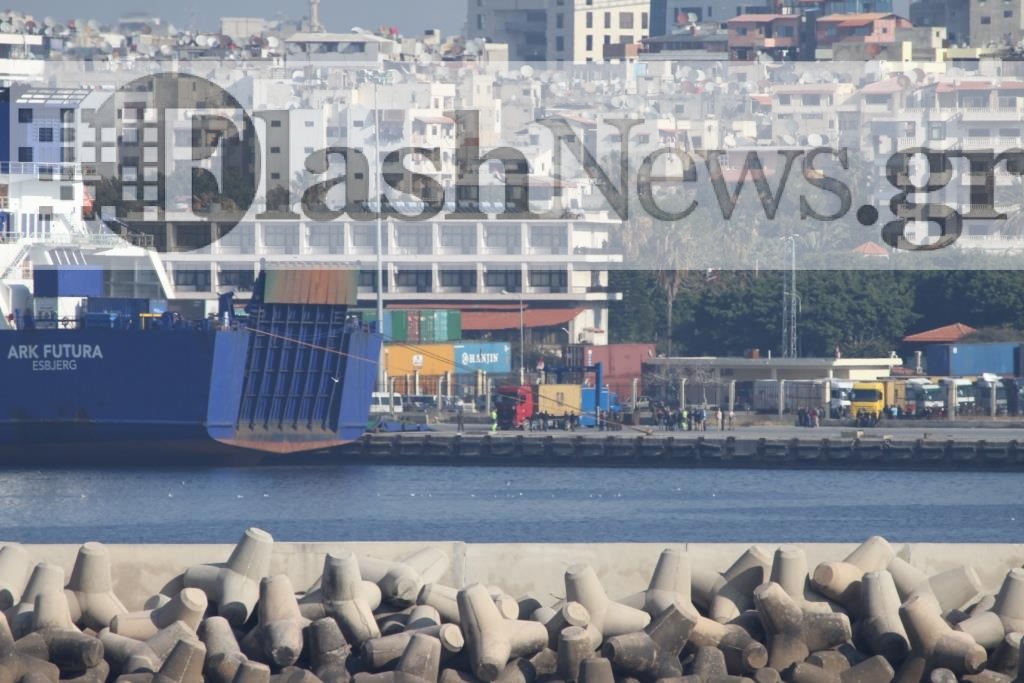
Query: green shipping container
x=454, y=330
x=399, y=326
x=427, y=328
x=441, y=325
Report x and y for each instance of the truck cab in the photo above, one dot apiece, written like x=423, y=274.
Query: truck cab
x=867, y=399
x=514, y=406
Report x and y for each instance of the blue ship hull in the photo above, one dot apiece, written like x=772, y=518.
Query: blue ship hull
x=96, y=396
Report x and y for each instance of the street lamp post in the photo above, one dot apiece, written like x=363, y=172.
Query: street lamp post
x=522, y=335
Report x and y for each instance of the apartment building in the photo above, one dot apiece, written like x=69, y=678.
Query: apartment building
x=777, y=35
x=996, y=22
x=577, y=31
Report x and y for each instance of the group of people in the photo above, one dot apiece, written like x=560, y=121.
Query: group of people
x=695, y=420
x=809, y=417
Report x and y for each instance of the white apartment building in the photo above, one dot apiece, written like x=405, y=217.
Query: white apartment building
x=574, y=31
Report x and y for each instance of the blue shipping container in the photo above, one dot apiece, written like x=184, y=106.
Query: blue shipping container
x=609, y=404
x=67, y=281
x=956, y=360
x=491, y=357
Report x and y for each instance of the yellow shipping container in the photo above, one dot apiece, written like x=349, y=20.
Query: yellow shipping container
x=559, y=399
x=430, y=359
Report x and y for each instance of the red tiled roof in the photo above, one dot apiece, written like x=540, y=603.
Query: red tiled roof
x=509, y=320
x=871, y=249
x=886, y=87
x=940, y=335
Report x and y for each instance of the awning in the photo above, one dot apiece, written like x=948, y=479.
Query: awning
x=482, y=321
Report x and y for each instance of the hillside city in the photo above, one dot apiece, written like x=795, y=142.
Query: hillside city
x=474, y=297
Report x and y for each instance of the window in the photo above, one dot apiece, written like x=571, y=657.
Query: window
x=590, y=43
x=67, y=193
x=67, y=155
x=625, y=39
x=192, y=280
x=464, y=280
x=368, y=278
x=812, y=100
x=67, y=134
x=1007, y=13
x=625, y=20
x=607, y=19
x=414, y=238
x=24, y=116
x=307, y=124
x=46, y=134
x=985, y=21
x=276, y=123
x=559, y=44
x=241, y=280
x=479, y=22
x=67, y=115
x=275, y=150
x=644, y=20
x=555, y=280
x=460, y=239
x=418, y=279
x=25, y=154
x=559, y=21
x=784, y=100
x=590, y=20
x=508, y=280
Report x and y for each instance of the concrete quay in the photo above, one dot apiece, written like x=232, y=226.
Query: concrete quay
x=829, y=448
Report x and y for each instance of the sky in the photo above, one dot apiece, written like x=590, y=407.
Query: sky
x=411, y=17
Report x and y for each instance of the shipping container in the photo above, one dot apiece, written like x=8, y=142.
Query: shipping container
x=559, y=399
x=619, y=360
x=454, y=325
x=78, y=281
x=337, y=287
x=958, y=360
x=399, y=325
x=430, y=360
x=427, y=328
x=412, y=326
x=798, y=394
x=490, y=357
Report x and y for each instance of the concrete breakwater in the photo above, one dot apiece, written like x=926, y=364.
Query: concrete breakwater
x=457, y=613
x=637, y=450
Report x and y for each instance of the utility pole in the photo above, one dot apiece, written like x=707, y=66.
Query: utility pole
x=790, y=305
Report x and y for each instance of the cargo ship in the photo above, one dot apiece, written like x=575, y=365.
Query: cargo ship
x=285, y=374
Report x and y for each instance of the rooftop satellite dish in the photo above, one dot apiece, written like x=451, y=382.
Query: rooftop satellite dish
x=699, y=75
x=203, y=40
x=273, y=42
x=685, y=72
x=815, y=140
x=788, y=140
x=5, y=27
x=618, y=102
x=166, y=50
x=559, y=89
x=526, y=71
x=792, y=126
x=93, y=25
x=49, y=21
x=213, y=41
x=729, y=140
x=589, y=88
x=710, y=88
x=393, y=77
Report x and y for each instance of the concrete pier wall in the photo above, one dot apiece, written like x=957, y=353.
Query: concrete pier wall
x=140, y=571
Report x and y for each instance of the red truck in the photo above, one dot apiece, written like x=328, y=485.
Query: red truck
x=516, y=405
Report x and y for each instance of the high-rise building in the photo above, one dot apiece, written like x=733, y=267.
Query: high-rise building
x=559, y=30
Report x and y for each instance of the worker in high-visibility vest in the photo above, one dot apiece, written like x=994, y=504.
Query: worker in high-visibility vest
x=494, y=420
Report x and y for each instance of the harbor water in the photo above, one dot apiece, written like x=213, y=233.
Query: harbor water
x=502, y=504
